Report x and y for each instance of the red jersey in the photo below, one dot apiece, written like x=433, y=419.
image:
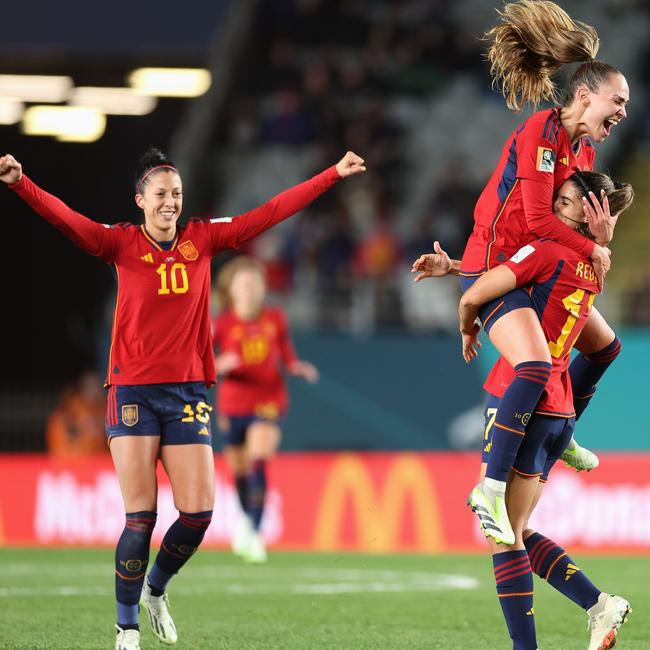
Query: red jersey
x=161, y=327
x=540, y=151
x=563, y=292
x=256, y=387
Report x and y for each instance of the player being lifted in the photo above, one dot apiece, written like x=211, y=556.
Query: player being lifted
x=563, y=287
x=253, y=343
x=161, y=362
x=532, y=41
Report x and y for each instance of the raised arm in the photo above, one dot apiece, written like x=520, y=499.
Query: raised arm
x=231, y=232
x=94, y=238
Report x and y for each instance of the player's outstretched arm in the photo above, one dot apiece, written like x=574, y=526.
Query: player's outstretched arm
x=435, y=265
x=92, y=237
x=304, y=369
x=232, y=232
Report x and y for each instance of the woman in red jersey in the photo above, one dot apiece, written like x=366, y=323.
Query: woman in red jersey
x=253, y=343
x=555, y=275
x=531, y=42
x=161, y=362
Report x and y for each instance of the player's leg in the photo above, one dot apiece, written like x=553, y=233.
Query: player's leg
x=552, y=563
x=262, y=441
x=135, y=460
x=233, y=431
x=518, y=336
x=512, y=571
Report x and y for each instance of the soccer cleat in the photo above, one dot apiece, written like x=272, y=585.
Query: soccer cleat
x=256, y=551
x=492, y=515
x=605, y=617
x=127, y=639
x=242, y=536
x=579, y=457
x=158, y=609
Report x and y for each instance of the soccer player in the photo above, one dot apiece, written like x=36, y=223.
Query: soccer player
x=563, y=288
x=533, y=40
x=161, y=362
x=252, y=343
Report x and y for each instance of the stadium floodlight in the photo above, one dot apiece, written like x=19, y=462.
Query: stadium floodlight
x=170, y=82
x=35, y=88
x=11, y=110
x=113, y=101
x=66, y=123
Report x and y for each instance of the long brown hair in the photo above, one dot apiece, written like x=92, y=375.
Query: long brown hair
x=227, y=273
x=532, y=41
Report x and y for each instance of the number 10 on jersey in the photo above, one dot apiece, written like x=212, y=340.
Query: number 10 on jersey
x=172, y=280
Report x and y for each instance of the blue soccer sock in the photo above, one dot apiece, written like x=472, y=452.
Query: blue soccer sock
x=515, y=410
x=179, y=544
x=514, y=581
x=131, y=558
x=550, y=562
x=241, y=484
x=587, y=370
x=257, y=492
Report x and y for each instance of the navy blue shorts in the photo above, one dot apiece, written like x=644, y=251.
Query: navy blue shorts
x=233, y=428
x=490, y=312
x=178, y=413
x=545, y=439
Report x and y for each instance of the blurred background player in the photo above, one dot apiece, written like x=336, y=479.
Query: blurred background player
x=530, y=43
x=253, y=343
x=563, y=290
x=161, y=363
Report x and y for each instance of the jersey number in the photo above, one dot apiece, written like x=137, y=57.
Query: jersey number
x=176, y=277
x=572, y=304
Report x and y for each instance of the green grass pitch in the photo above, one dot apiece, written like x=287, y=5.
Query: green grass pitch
x=64, y=599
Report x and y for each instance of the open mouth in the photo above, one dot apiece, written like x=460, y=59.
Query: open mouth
x=608, y=125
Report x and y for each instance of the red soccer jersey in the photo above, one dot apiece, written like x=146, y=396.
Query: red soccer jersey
x=563, y=292
x=161, y=327
x=256, y=386
x=539, y=150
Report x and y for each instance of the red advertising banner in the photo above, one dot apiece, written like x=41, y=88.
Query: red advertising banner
x=370, y=502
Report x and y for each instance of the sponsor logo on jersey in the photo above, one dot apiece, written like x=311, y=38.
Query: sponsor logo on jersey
x=203, y=431
x=545, y=160
x=564, y=161
x=147, y=258
x=188, y=251
x=130, y=414
x=531, y=612
x=522, y=253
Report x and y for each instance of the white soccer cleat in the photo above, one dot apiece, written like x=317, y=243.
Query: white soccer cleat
x=580, y=458
x=242, y=536
x=256, y=552
x=127, y=639
x=605, y=617
x=158, y=609
x=492, y=515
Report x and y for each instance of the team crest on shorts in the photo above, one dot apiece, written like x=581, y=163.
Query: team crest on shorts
x=188, y=251
x=545, y=159
x=130, y=414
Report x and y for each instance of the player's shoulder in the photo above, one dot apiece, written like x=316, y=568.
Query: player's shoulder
x=274, y=312
x=545, y=124
x=122, y=226
x=204, y=222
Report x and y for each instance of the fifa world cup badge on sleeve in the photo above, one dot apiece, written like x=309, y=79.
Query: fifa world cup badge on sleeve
x=545, y=160
x=130, y=414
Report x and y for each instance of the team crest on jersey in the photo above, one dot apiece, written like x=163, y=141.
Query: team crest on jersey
x=545, y=160
x=188, y=251
x=130, y=414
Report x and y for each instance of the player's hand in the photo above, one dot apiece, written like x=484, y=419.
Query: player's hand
x=11, y=171
x=471, y=344
x=350, y=164
x=432, y=265
x=305, y=370
x=601, y=222
x=601, y=261
x=227, y=362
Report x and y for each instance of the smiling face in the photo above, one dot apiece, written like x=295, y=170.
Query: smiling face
x=161, y=200
x=606, y=107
